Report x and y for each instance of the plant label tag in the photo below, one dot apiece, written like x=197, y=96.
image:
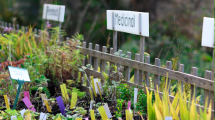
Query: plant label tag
x=96, y=88
x=74, y=100
x=99, y=89
x=168, y=118
x=43, y=116
x=28, y=104
x=19, y=73
x=107, y=110
x=26, y=94
x=92, y=115
x=129, y=105
x=91, y=94
x=93, y=84
x=64, y=91
x=22, y=112
x=53, y=12
x=17, y=86
x=208, y=32
x=59, y=118
x=13, y=117
x=128, y=115
x=103, y=113
x=6, y=102
x=47, y=106
x=78, y=119
x=135, y=96
x=91, y=104
x=61, y=105
x=43, y=97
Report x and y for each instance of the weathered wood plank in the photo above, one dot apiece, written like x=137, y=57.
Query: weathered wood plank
x=208, y=75
x=136, y=71
x=194, y=71
x=103, y=66
x=156, y=76
x=84, y=45
x=181, y=69
x=96, y=60
x=89, y=62
x=127, y=68
x=169, y=66
x=147, y=74
x=176, y=75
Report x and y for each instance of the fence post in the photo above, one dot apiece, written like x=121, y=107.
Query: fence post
x=95, y=67
x=157, y=77
x=147, y=60
x=26, y=29
x=194, y=71
x=17, y=26
x=169, y=66
x=208, y=75
x=127, y=69
x=103, y=66
x=181, y=69
x=84, y=46
x=89, y=62
x=136, y=71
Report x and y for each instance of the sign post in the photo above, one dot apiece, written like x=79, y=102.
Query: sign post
x=129, y=22
x=21, y=76
x=55, y=13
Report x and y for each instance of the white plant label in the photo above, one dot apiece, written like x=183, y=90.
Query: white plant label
x=128, y=21
x=53, y=12
x=19, y=73
x=168, y=118
x=107, y=110
x=13, y=117
x=22, y=112
x=96, y=88
x=44, y=97
x=135, y=96
x=43, y=116
x=91, y=105
x=208, y=32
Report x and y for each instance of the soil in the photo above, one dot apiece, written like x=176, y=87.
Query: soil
x=85, y=103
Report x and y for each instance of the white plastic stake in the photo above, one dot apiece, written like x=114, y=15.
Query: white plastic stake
x=135, y=96
x=107, y=110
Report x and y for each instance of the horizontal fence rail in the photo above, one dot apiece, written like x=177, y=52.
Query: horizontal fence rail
x=142, y=67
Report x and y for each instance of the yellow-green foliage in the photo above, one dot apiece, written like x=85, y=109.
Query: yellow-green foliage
x=178, y=108
x=17, y=44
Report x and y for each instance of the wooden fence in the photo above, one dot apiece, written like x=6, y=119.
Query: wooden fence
x=98, y=57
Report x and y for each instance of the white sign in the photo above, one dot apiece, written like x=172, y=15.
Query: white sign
x=19, y=73
x=208, y=32
x=53, y=12
x=128, y=21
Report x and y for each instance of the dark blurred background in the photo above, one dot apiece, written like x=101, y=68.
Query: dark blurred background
x=175, y=25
